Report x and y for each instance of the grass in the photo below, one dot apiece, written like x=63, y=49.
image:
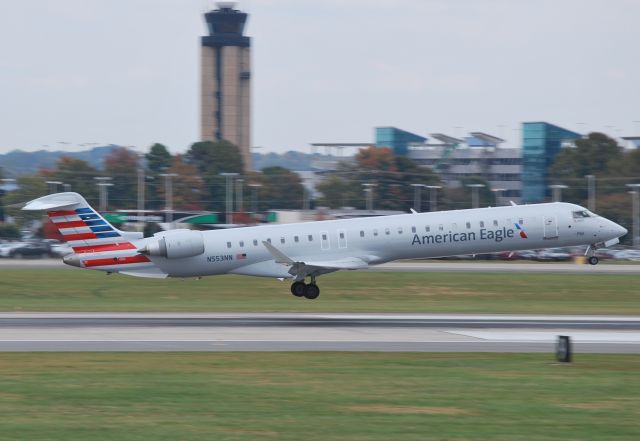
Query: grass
x=317, y=396
x=80, y=290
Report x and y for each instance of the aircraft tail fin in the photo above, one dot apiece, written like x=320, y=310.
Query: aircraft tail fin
x=82, y=227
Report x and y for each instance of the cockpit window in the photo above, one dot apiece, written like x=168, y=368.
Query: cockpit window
x=581, y=214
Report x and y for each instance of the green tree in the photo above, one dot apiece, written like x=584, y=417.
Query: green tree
x=211, y=159
x=78, y=175
x=281, y=188
x=158, y=159
x=29, y=187
x=122, y=165
x=188, y=186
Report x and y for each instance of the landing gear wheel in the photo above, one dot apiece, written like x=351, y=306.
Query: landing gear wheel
x=593, y=260
x=311, y=291
x=298, y=288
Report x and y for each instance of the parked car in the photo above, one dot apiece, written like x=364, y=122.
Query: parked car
x=60, y=249
x=31, y=249
x=5, y=248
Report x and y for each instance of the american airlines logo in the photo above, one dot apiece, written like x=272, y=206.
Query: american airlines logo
x=522, y=233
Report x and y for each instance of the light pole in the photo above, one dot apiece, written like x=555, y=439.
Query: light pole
x=475, y=200
x=229, y=196
x=368, y=191
x=497, y=192
x=141, y=173
x=254, y=198
x=103, y=184
x=417, y=196
x=239, y=195
x=168, y=195
x=433, y=197
x=635, y=202
x=556, y=192
x=53, y=186
x=591, y=188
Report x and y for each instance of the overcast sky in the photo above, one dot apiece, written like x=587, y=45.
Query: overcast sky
x=127, y=71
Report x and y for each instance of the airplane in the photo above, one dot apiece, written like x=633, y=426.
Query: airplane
x=310, y=249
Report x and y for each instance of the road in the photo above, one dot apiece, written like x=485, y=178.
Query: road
x=313, y=332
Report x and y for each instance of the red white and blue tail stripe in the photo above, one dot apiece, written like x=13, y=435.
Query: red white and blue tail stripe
x=95, y=242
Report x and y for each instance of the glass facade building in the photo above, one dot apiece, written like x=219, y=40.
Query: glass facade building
x=396, y=139
x=541, y=142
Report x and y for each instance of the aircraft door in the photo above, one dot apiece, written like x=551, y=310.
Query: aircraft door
x=342, y=239
x=324, y=240
x=550, y=227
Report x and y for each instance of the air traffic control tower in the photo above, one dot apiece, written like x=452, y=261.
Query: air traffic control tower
x=226, y=80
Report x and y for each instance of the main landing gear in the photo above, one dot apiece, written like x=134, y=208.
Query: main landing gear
x=591, y=253
x=307, y=290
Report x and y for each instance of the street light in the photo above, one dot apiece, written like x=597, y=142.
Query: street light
x=635, y=195
x=239, y=195
x=474, y=194
x=433, y=197
x=417, y=196
x=591, y=187
x=103, y=184
x=556, y=192
x=368, y=191
x=229, y=196
x=497, y=192
x=141, y=186
x=168, y=195
x=254, y=198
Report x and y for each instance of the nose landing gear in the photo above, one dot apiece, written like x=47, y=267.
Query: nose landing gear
x=591, y=253
x=307, y=290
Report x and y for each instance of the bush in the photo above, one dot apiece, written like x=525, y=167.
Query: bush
x=9, y=231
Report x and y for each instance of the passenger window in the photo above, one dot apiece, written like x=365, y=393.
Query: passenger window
x=310, y=238
x=427, y=228
x=375, y=232
x=341, y=235
x=255, y=242
x=269, y=240
x=324, y=237
x=413, y=229
x=296, y=239
x=468, y=224
x=241, y=244
x=361, y=233
x=282, y=240
x=521, y=221
x=387, y=231
x=228, y=244
x=481, y=224
x=495, y=223
x=399, y=230
x=441, y=227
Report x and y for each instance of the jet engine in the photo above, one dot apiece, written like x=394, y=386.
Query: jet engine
x=175, y=244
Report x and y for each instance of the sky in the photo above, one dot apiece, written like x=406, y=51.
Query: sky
x=126, y=72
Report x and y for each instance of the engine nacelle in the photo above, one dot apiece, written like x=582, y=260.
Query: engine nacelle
x=175, y=244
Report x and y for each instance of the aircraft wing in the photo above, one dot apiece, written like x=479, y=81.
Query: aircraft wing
x=303, y=268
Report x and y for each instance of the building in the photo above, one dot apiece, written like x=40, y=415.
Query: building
x=478, y=155
x=398, y=140
x=226, y=80
x=541, y=142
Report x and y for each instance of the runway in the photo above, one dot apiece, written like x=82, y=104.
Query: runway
x=24, y=332
x=425, y=266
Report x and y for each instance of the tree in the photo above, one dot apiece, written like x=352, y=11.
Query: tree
x=211, y=159
x=281, y=188
x=122, y=165
x=79, y=175
x=29, y=187
x=391, y=175
x=188, y=186
x=158, y=159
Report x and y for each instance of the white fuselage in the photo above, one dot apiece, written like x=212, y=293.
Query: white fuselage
x=376, y=240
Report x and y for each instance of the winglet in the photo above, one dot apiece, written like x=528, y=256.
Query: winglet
x=413, y=211
x=513, y=204
x=277, y=254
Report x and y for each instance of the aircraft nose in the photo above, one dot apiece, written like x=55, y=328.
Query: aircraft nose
x=620, y=230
